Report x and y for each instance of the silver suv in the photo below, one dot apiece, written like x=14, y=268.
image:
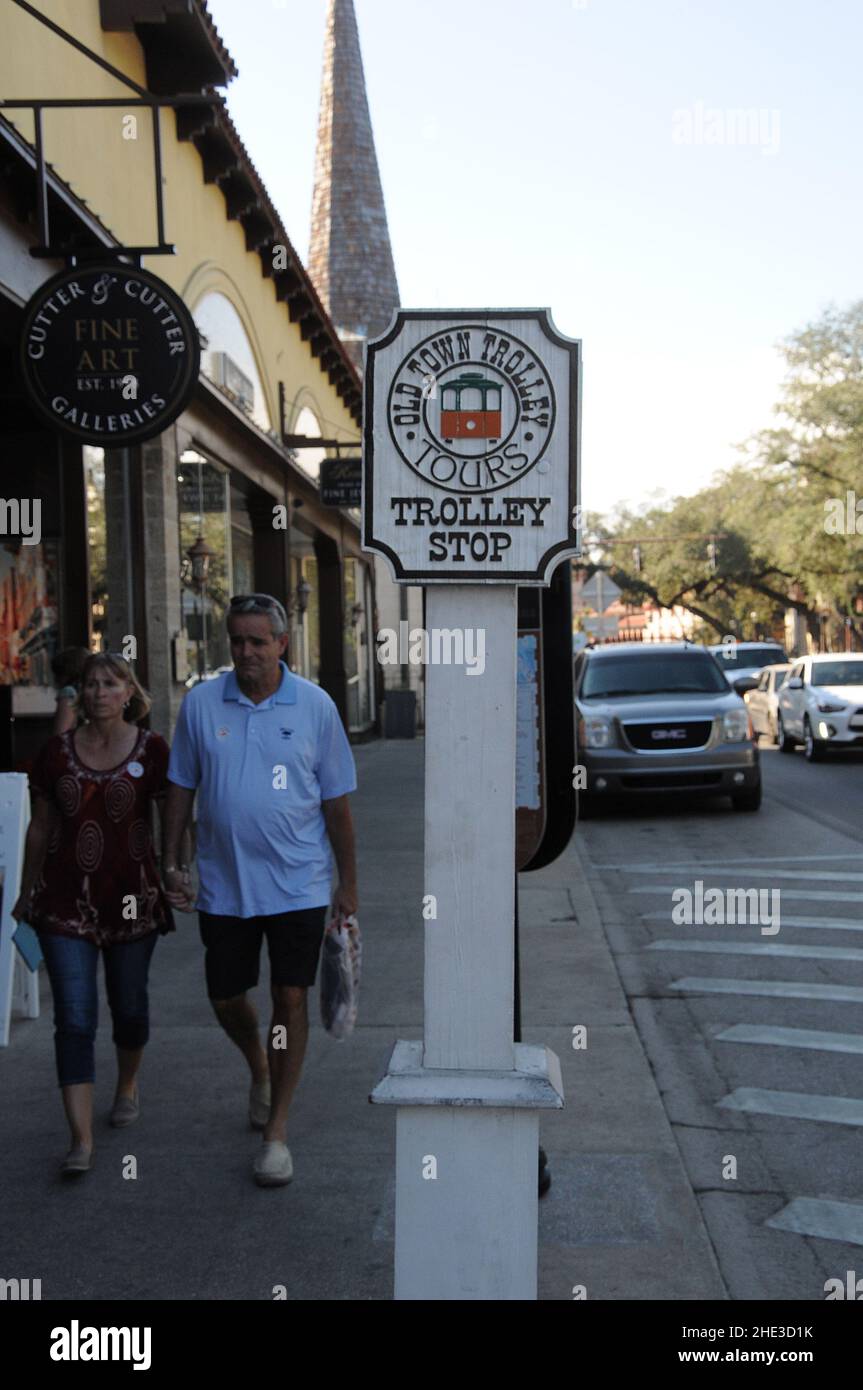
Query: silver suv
x=660, y=717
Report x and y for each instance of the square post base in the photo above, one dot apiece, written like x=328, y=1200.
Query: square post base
x=467, y=1145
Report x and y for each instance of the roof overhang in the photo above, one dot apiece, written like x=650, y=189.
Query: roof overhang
x=182, y=47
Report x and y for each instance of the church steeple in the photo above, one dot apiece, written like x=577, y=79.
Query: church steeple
x=350, y=258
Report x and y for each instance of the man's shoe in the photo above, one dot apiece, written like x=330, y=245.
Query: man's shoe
x=273, y=1166
x=124, y=1111
x=78, y=1160
x=259, y=1104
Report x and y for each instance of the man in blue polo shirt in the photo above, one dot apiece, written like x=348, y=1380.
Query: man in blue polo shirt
x=267, y=754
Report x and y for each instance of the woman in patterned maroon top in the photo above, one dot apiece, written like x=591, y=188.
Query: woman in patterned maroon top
x=90, y=885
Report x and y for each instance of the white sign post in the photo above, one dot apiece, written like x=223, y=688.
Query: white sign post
x=470, y=485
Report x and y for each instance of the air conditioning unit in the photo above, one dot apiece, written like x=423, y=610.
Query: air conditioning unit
x=226, y=374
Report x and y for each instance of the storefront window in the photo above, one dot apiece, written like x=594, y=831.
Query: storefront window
x=28, y=612
x=94, y=472
x=311, y=622
x=108, y=482
x=202, y=489
x=242, y=545
x=356, y=645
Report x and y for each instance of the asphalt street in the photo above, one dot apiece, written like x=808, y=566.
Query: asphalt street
x=755, y=1036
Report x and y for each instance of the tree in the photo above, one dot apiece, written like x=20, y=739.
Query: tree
x=778, y=511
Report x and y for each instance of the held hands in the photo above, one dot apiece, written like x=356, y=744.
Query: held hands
x=178, y=889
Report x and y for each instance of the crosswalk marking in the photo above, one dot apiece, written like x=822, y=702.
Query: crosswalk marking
x=798, y=1105
x=791, y=1037
x=820, y=895
x=794, y=1105
x=651, y=867
x=816, y=1216
x=760, y=948
x=773, y=989
x=825, y=924
x=811, y=875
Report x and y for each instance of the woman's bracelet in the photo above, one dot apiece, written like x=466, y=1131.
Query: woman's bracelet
x=172, y=868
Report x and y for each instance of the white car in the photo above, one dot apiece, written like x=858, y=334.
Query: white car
x=741, y=660
x=763, y=701
x=821, y=704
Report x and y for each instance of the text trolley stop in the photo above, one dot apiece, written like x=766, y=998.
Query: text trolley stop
x=470, y=486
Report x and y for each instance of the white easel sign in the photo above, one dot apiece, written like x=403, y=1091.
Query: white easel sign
x=19, y=985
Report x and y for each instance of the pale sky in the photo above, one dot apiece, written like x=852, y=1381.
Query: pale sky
x=587, y=157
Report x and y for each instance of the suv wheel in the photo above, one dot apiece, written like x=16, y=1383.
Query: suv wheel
x=813, y=747
x=786, y=744
x=747, y=801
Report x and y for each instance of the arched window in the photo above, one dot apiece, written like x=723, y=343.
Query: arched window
x=308, y=458
x=227, y=356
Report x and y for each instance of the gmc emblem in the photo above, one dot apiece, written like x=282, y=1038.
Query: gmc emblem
x=668, y=733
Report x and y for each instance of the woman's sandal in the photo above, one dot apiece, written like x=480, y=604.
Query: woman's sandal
x=78, y=1160
x=125, y=1111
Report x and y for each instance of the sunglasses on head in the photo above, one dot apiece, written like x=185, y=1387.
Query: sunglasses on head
x=266, y=600
x=260, y=601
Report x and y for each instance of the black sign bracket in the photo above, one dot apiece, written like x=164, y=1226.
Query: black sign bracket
x=72, y=254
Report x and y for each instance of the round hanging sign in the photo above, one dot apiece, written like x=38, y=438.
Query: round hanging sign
x=109, y=354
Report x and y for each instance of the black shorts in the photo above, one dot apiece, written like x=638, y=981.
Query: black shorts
x=234, y=949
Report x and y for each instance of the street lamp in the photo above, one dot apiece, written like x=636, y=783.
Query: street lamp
x=298, y=602
x=199, y=555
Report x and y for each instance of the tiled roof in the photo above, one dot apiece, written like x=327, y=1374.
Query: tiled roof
x=218, y=42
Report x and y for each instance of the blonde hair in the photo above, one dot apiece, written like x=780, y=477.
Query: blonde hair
x=140, y=703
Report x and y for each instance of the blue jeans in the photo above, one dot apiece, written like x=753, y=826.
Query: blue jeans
x=72, y=963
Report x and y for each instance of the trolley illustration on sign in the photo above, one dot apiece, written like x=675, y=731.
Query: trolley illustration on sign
x=470, y=408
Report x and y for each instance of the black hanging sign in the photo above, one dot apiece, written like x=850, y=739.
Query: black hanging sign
x=341, y=482
x=109, y=354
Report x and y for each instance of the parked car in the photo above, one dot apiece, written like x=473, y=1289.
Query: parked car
x=763, y=701
x=746, y=660
x=661, y=717
x=821, y=704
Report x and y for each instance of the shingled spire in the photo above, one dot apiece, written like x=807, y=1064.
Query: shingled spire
x=350, y=258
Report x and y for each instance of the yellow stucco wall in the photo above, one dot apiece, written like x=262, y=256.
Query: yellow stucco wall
x=114, y=176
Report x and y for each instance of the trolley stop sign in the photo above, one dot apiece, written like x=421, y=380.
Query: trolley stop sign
x=471, y=446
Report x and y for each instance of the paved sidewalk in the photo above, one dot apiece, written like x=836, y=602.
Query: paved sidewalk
x=620, y=1218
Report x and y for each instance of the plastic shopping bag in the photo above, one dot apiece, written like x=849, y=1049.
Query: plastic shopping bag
x=341, y=961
